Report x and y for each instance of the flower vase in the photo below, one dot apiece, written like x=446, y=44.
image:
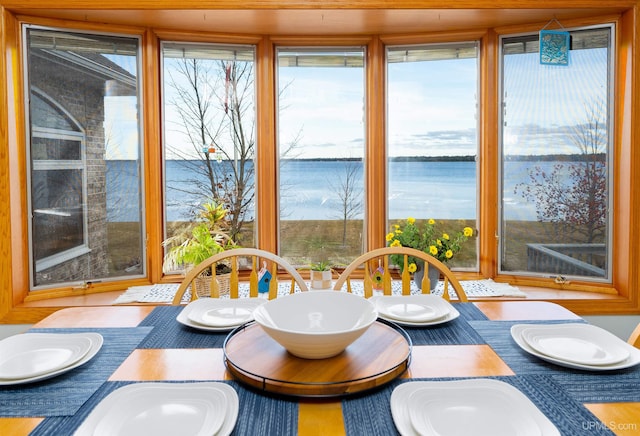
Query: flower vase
x=434, y=276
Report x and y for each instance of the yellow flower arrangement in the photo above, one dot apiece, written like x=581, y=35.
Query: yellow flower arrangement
x=425, y=238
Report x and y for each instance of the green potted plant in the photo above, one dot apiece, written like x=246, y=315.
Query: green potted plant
x=200, y=240
x=321, y=274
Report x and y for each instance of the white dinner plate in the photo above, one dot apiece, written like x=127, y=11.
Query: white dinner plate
x=632, y=360
x=578, y=343
x=32, y=354
x=187, y=409
x=224, y=313
x=412, y=308
x=451, y=314
x=217, y=314
x=466, y=407
x=96, y=343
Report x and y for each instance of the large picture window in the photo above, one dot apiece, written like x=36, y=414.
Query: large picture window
x=556, y=154
x=432, y=145
x=84, y=157
x=209, y=143
x=321, y=151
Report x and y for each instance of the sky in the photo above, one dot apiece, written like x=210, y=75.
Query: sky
x=544, y=103
x=431, y=108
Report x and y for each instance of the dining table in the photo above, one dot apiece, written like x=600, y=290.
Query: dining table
x=146, y=344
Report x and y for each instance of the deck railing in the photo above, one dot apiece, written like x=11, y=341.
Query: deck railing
x=567, y=259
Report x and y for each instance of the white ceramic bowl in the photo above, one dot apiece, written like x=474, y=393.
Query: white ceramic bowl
x=316, y=325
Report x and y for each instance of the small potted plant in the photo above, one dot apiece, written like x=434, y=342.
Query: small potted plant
x=321, y=274
x=200, y=240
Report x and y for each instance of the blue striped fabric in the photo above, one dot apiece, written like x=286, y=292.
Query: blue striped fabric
x=263, y=415
x=168, y=333
x=469, y=312
x=64, y=394
x=456, y=332
x=610, y=387
x=370, y=413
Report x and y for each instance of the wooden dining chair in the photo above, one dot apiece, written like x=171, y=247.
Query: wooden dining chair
x=380, y=258
x=257, y=259
x=634, y=338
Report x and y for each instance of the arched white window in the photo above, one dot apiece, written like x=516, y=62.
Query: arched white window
x=58, y=184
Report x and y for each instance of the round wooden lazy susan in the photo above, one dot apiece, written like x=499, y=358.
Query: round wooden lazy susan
x=380, y=355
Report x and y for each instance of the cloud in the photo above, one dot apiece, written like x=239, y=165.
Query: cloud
x=436, y=143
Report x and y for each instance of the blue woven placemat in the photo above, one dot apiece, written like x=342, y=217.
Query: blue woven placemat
x=169, y=333
x=470, y=312
x=602, y=387
x=370, y=414
x=567, y=413
x=64, y=394
x=258, y=416
x=586, y=386
x=456, y=332
x=497, y=334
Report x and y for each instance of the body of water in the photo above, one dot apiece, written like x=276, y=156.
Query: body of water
x=313, y=190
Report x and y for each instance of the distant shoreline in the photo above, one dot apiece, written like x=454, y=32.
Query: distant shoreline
x=576, y=157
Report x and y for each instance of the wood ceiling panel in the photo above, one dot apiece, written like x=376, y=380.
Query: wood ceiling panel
x=320, y=21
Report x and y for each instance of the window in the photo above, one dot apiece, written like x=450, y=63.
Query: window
x=209, y=135
x=321, y=150
x=58, y=184
x=556, y=154
x=83, y=153
x=432, y=130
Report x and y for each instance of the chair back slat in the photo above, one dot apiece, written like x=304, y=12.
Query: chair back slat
x=386, y=276
x=292, y=287
x=233, y=280
x=253, y=278
x=213, y=284
x=425, y=284
x=445, y=293
x=349, y=285
x=273, y=283
x=406, y=277
x=368, y=281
